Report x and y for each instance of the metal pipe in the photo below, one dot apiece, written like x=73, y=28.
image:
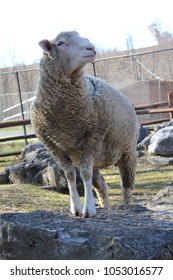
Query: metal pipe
x=94, y=69
x=21, y=106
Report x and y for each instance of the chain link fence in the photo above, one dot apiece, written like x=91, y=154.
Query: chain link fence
x=145, y=78
x=17, y=88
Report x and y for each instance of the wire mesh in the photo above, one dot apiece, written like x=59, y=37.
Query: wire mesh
x=143, y=77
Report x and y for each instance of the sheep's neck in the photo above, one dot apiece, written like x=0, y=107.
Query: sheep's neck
x=67, y=100
x=63, y=86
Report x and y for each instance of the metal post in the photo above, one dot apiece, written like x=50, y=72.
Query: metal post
x=170, y=103
x=94, y=69
x=21, y=106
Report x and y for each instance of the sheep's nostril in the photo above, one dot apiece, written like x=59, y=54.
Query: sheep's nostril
x=91, y=49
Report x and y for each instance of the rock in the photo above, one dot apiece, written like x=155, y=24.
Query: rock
x=161, y=142
x=47, y=188
x=144, y=143
x=3, y=178
x=143, y=133
x=32, y=147
x=53, y=176
x=159, y=160
x=39, y=167
x=40, y=156
x=23, y=173
x=140, y=153
x=162, y=125
x=121, y=233
x=165, y=194
x=163, y=201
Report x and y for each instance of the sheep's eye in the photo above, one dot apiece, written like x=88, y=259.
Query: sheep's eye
x=60, y=43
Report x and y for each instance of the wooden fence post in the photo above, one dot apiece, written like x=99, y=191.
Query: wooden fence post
x=170, y=104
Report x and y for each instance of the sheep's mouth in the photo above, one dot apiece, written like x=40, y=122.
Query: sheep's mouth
x=90, y=55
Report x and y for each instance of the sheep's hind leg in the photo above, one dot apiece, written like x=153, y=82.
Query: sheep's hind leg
x=127, y=168
x=100, y=188
x=75, y=204
x=86, y=173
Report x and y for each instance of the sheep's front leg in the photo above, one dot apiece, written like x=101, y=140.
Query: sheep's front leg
x=70, y=173
x=86, y=172
x=75, y=204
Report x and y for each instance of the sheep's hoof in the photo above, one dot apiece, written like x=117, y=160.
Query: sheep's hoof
x=76, y=210
x=77, y=214
x=127, y=196
x=104, y=204
x=87, y=214
x=127, y=202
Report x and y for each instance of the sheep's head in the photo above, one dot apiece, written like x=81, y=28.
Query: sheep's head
x=70, y=50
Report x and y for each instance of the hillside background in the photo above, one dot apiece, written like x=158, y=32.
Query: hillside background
x=144, y=75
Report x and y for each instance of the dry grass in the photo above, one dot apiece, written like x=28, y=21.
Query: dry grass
x=23, y=198
x=26, y=198
x=149, y=180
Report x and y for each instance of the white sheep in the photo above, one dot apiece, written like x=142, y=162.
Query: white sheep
x=83, y=121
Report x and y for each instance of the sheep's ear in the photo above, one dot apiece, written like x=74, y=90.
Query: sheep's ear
x=45, y=45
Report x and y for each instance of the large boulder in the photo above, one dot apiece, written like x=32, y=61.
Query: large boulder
x=134, y=232
x=38, y=167
x=160, y=160
x=163, y=201
x=3, y=178
x=32, y=147
x=161, y=143
x=143, y=133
